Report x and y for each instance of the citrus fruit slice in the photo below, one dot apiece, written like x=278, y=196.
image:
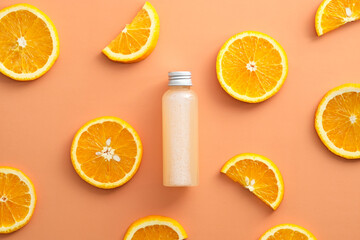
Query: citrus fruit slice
x=287, y=231
x=251, y=66
x=17, y=199
x=257, y=174
x=29, y=42
x=155, y=227
x=337, y=120
x=106, y=152
x=332, y=14
x=138, y=39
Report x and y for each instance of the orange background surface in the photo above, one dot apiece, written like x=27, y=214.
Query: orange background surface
x=39, y=119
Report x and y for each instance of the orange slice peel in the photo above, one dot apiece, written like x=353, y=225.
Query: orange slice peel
x=155, y=227
x=287, y=231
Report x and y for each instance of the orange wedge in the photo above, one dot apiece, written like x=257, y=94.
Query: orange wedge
x=337, y=120
x=138, y=39
x=257, y=174
x=287, y=232
x=17, y=199
x=106, y=152
x=251, y=67
x=332, y=14
x=155, y=227
x=29, y=43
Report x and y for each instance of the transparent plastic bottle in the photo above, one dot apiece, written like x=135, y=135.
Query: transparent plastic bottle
x=180, y=132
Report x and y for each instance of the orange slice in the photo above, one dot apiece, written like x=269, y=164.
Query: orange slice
x=251, y=66
x=106, y=152
x=257, y=174
x=29, y=43
x=17, y=199
x=138, y=39
x=155, y=227
x=332, y=14
x=287, y=231
x=337, y=120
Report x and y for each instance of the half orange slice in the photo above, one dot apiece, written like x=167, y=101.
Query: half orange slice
x=257, y=174
x=332, y=14
x=138, y=39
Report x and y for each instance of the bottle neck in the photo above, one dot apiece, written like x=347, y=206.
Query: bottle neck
x=179, y=87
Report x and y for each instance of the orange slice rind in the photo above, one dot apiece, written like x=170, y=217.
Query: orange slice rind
x=287, y=231
x=155, y=227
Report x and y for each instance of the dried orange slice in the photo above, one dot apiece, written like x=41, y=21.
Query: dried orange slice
x=155, y=227
x=106, y=152
x=257, y=174
x=287, y=231
x=138, y=39
x=332, y=14
x=337, y=120
x=29, y=42
x=251, y=66
x=17, y=199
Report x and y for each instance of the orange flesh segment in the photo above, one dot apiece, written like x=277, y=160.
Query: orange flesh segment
x=39, y=44
x=93, y=141
x=265, y=186
x=336, y=121
x=268, y=66
x=155, y=232
x=18, y=199
x=335, y=14
x=288, y=234
x=134, y=36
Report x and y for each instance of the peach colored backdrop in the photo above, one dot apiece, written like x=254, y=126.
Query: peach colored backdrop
x=39, y=119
